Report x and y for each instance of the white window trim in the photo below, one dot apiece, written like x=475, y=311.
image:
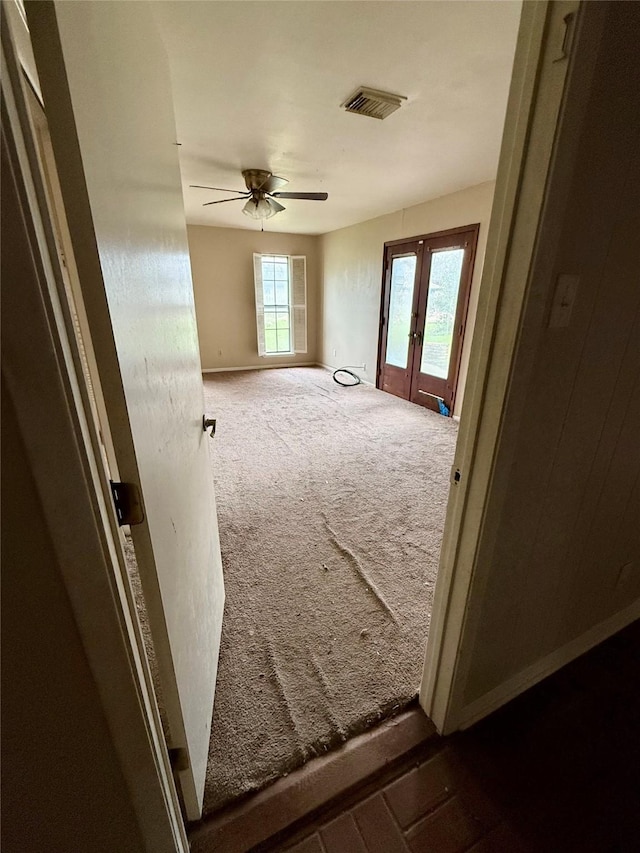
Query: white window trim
x=295, y=347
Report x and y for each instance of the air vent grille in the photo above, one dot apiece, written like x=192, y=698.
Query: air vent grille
x=373, y=103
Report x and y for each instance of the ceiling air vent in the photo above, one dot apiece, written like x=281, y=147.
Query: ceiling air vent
x=371, y=102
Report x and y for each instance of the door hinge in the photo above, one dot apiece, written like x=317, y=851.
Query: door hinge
x=128, y=503
x=567, y=37
x=179, y=759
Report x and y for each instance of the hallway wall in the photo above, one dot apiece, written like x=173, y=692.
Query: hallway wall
x=62, y=786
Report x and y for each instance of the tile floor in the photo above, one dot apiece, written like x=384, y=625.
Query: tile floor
x=555, y=771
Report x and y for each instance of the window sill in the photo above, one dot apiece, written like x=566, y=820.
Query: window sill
x=277, y=354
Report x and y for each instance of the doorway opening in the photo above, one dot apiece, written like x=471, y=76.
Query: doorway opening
x=365, y=442
x=331, y=506
x=425, y=298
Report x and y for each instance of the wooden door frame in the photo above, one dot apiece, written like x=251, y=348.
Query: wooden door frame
x=384, y=306
x=73, y=487
x=462, y=307
x=555, y=56
x=385, y=293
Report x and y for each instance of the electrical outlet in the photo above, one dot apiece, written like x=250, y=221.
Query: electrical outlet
x=219, y=352
x=334, y=353
x=364, y=366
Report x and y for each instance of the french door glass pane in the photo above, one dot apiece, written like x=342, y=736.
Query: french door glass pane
x=442, y=302
x=403, y=273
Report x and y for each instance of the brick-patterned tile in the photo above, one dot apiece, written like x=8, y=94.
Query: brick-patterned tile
x=379, y=830
x=308, y=845
x=518, y=782
x=420, y=791
x=449, y=829
x=501, y=839
x=342, y=836
x=472, y=793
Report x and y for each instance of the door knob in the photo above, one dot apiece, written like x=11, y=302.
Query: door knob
x=209, y=422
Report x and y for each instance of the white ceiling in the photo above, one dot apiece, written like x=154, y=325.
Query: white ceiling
x=260, y=84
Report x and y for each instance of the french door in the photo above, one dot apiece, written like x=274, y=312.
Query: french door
x=425, y=297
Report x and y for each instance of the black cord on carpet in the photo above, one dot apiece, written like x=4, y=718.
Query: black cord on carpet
x=349, y=373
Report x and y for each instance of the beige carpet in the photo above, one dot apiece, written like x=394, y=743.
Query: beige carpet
x=331, y=505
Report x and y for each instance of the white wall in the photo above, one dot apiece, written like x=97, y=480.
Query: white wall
x=351, y=262
x=222, y=271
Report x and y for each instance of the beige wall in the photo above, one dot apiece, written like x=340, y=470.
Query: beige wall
x=222, y=270
x=352, y=275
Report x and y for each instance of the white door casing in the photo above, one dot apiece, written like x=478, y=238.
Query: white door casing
x=106, y=89
x=556, y=59
x=520, y=185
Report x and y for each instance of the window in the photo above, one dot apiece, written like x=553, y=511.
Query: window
x=277, y=304
x=281, y=303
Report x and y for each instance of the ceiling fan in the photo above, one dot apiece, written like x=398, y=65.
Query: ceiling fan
x=263, y=188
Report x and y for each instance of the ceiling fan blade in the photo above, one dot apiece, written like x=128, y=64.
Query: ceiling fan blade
x=273, y=183
x=222, y=200
x=218, y=189
x=308, y=196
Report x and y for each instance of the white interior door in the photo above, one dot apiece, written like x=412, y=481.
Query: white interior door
x=106, y=89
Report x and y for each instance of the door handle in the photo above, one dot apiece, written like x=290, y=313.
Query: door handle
x=209, y=422
x=417, y=336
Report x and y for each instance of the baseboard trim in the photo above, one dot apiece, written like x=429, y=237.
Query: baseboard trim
x=262, y=815
x=271, y=366
x=257, y=367
x=332, y=369
x=546, y=666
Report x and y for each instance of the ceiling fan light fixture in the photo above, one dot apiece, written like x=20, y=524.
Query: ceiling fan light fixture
x=259, y=209
x=260, y=197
